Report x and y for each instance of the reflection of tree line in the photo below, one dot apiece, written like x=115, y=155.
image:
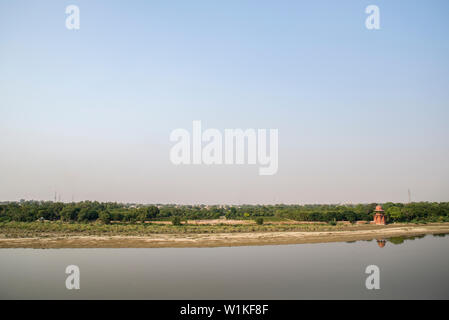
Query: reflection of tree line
x=401, y=239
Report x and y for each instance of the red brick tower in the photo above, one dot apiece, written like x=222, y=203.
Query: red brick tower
x=379, y=217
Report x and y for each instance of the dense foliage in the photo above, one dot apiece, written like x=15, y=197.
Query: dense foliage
x=86, y=211
x=176, y=221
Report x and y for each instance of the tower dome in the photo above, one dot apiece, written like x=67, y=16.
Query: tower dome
x=379, y=208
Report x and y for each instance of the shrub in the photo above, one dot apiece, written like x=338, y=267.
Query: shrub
x=105, y=217
x=259, y=221
x=83, y=215
x=176, y=221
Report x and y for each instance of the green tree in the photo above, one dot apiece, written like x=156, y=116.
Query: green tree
x=153, y=212
x=142, y=214
x=105, y=217
x=176, y=221
x=350, y=216
x=83, y=215
x=395, y=214
x=69, y=214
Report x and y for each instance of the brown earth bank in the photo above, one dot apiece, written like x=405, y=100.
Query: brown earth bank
x=222, y=239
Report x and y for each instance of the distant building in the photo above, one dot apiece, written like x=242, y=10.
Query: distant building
x=379, y=216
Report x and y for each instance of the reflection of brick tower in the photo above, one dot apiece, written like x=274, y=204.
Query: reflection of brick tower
x=379, y=217
x=381, y=243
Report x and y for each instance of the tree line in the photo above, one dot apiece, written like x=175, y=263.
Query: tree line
x=88, y=211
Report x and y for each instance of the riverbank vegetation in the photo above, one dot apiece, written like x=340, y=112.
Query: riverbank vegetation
x=48, y=229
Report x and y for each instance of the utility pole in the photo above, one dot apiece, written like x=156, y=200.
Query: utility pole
x=409, y=196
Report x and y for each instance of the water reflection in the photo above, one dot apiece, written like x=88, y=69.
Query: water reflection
x=440, y=235
x=303, y=271
x=381, y=243
x=401, y=239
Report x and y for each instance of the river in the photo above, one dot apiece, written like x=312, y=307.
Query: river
x=408, y=269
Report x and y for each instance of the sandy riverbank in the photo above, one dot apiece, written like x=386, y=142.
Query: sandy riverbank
x=220, y=239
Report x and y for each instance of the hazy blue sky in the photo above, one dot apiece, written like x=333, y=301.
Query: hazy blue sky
x=362, y=114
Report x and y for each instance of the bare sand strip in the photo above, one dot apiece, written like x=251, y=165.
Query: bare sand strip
x=219, y=239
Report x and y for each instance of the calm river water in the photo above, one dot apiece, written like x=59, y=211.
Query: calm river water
x=409, y=269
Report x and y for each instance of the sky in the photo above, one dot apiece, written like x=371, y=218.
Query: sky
x=362, y=115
